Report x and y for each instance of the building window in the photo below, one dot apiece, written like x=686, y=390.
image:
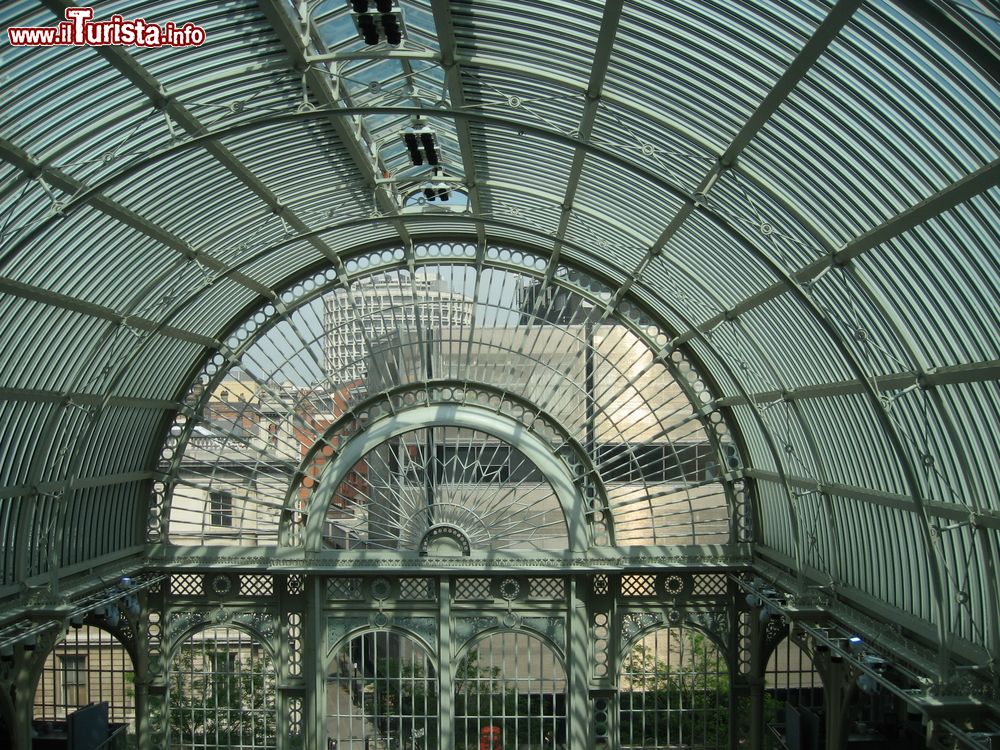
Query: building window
x=222, y=508
x=74, y=681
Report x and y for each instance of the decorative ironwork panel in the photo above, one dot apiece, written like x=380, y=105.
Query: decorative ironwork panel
x=293, y=628
x=256, y=585
x=634, y=623
x=339, y=626
x=295, y=717
x=714, y=622
x=600, y=641
x=675, y=586
x=179, y=622
x=638, y=585
x=710, y=584
x=295, y=585
x=425, y=627
x=473, y=589
x=347, y=589
x=744, y=643
x=546, y=588
x=417, y=589
x=187, y=584
x=467, y=627
x=552, y=627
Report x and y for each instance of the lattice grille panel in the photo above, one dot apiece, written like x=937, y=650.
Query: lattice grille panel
x=515, y=682
x=710, y=584
x=546, y=588
x=642, y=585
x=477, y=589
x=295, y=585
x=188, y=584
x=790, y=676
x=347, y=589
x=420, y=589
x=253, y=585
x=601, y=584
x=222, y=693
x=381, y=694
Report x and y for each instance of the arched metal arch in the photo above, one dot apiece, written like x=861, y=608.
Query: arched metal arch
x=231, y=356
x=446, y=415
x=429, y=650
x=557, y=650
x=176, y=640
x=684, y=623
x=387, y=398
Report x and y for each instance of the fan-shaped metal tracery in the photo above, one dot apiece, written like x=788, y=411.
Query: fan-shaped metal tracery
x=500, y=333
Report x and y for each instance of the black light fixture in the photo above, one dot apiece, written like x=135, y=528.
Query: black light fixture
x=413, y=146
x=436, y=188
x=421, y=143
x=379, y=21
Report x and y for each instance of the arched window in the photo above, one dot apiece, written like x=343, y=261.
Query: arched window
x=381, y=692
x=674, y=692
x=222, y=692
x=793, y=693
x=90, y=665
x=515, y=683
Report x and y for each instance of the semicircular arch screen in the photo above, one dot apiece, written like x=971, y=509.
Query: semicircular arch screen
x=256, y=431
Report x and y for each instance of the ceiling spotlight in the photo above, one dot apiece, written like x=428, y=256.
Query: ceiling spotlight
x=361, y=6
x=381, y=21
x=437, y=188
x=421, y=143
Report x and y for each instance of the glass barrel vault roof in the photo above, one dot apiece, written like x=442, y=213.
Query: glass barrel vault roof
x=799, y=199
